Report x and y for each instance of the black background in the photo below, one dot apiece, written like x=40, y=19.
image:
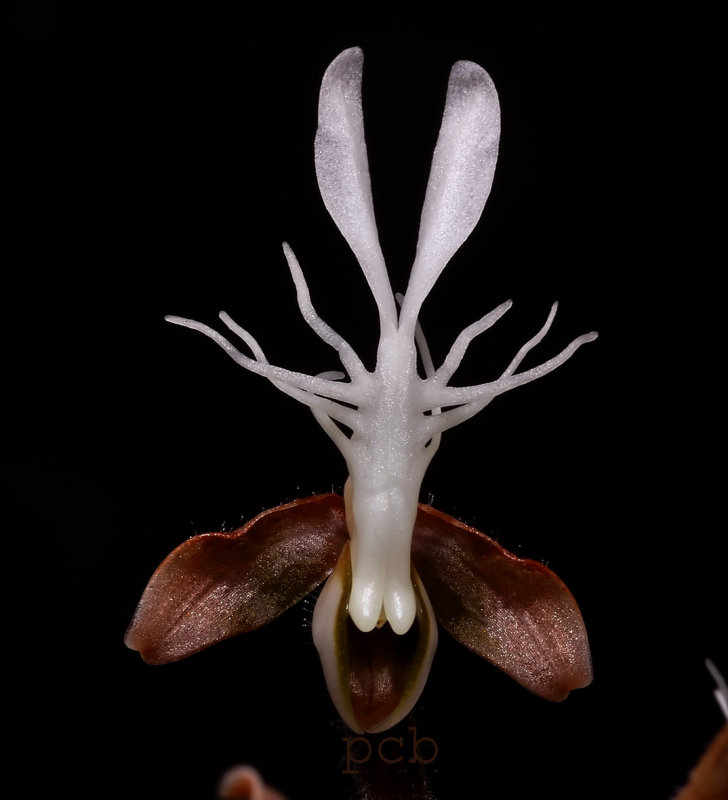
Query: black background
x=157, y=158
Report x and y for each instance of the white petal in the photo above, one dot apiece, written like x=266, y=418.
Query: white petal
x=342, y=170
x=461, y=176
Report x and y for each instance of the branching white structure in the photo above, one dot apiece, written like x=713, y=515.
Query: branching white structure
x=392, y=417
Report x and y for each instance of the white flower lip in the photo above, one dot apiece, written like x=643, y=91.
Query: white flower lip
x=395, y=415
x=387, y=698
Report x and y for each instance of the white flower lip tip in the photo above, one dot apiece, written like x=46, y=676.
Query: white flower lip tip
x=367, y=602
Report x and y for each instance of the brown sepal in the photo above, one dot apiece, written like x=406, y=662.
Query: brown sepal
x=217, y=585
x=514, y=612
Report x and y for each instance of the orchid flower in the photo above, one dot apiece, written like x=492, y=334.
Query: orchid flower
x=393, y=566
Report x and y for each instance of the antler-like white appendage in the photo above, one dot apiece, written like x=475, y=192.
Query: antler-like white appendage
x=395, y=417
